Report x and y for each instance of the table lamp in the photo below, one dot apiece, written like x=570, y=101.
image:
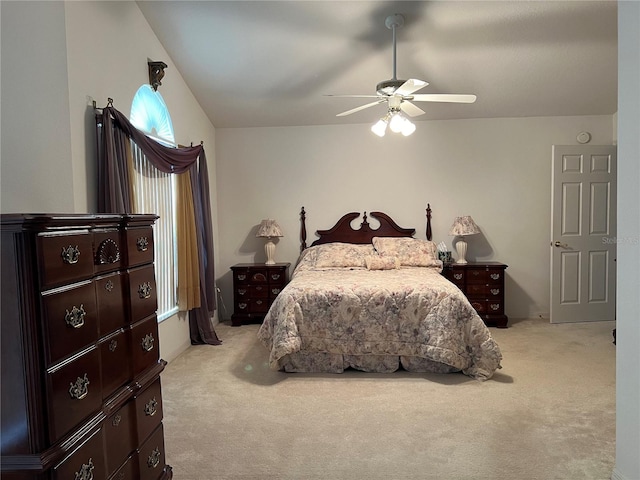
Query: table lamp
x=463, y=226
x=269, y=229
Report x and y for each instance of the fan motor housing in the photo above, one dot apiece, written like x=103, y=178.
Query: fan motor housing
x=388, y=87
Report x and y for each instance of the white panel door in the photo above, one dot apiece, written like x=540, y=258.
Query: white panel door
x=583, y=233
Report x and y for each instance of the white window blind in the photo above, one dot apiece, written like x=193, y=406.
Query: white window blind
x=155, y=192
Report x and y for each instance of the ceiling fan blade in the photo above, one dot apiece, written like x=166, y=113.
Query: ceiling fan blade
x=410, y=86
x=357, y=109
x=444, y=97
x=352, y=96
x=410, y=109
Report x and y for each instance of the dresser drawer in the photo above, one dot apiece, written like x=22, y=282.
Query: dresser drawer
x=488, y=307
x=120, y=436
x=73, y=392
x=148, y=408
x=115, y=361
x=144, y=345
x=108, y=254
x=151, y=457
x=142, y=292
x=111, y=308
x=139, y=245
x=86, y=463
x=70, y=319
x=259, y=291
x=455, y=276
x=277, y=278
x=129, y=470
x=65, y=258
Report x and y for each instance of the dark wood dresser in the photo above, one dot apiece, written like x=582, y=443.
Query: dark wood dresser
x=255, y=287
x=81, y=395
x=483, y=285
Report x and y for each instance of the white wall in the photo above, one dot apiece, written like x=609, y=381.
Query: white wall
x=628, y=308
x=37, y=172
x=57, y=57
x=496, y=170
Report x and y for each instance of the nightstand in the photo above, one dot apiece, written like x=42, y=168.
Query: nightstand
x=483, y=284
x=255, y=287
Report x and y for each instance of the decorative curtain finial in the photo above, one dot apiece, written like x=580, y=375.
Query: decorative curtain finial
x=156, y=72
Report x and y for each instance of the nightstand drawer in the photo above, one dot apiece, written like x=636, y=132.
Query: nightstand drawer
x=476, y=275
x=484, y=290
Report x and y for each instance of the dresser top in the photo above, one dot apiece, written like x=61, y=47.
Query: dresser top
x=16, y=221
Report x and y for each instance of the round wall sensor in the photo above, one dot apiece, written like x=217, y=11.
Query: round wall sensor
x=584, y=137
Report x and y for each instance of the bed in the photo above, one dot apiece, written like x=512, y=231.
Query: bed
x=373, y=299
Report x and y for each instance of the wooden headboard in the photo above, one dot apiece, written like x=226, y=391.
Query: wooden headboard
x=343, y=232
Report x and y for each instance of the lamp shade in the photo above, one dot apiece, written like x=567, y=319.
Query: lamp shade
x=463, y=226
x=269, y=228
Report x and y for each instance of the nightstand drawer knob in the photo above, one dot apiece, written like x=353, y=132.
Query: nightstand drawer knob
x=242, y=291
x=495, y=276
x=242, y=306
x=495, y=291
x=275, y=276
x=275, y=291
x=457, y=276
x=242, y=276
x=494, y=306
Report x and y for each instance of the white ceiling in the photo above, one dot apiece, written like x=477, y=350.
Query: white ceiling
x=270, y=63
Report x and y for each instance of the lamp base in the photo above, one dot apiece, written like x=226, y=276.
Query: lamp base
x=270, y=250
x=461, y=248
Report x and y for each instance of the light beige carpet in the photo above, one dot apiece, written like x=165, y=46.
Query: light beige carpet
x=548, y=414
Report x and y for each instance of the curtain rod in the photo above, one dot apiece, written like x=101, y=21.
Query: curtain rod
x=110, y=104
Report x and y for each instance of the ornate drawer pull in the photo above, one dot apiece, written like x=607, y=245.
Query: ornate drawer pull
x=108, y=252
x=457, y=276
x=86, y=471
x=242, y=276
x=242, y=306
x=109, y=286
x=275, y=291
x=495, y=276
x=275, y=276
x=113, y=344
x=258, y=288
x=80, y=389
x=154, y=459
x=495, y=291
x=75, y=317
x=70, y=254
x=142, y=244
x=116, y=420
x=144, y=290
x=495, y=306
x=147, y=342
x=150, y=408
x=259, y=302
x=475, y=272
x=242, y=291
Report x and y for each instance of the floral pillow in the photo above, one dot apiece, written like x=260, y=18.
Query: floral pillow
x=410, y=252
x=338, y=254
x=376, y=262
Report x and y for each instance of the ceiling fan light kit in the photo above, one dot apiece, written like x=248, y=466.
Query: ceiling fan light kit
x=398, y=94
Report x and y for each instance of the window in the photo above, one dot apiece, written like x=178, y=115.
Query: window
x=155, y=192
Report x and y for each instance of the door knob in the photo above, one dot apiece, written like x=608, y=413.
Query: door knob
x=561, y=245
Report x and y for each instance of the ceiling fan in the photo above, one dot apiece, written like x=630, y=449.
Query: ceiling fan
x=398, y=94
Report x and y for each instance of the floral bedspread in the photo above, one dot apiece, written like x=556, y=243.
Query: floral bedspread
x=411, y=313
